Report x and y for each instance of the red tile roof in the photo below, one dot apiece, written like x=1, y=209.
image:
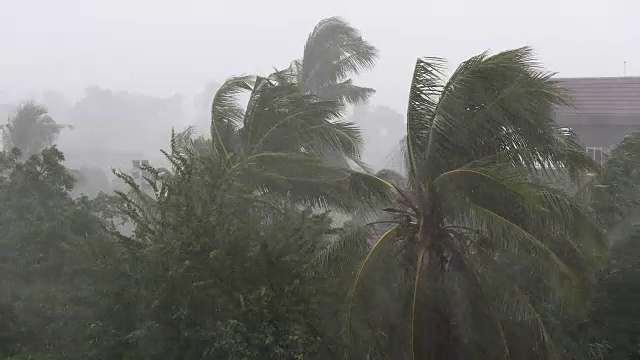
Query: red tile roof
x=605, y=95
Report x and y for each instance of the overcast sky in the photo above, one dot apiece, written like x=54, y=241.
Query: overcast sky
x=162, y=47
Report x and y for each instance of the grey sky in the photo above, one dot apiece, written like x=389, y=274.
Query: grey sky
x=161, y=47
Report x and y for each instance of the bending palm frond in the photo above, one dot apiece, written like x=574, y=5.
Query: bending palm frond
x=226, y=113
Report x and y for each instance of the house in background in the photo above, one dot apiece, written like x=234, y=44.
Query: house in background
x=604, y=111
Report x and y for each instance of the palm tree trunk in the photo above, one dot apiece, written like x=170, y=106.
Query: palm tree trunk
x=435, y=337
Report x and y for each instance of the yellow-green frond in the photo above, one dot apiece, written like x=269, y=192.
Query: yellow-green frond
x=361, y=268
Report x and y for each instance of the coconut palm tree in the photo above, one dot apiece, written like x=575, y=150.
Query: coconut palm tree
x=334, y=52
x=30, y=129
x=484, y=248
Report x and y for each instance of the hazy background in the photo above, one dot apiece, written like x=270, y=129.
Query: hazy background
x=147, y=65
x=164, y=47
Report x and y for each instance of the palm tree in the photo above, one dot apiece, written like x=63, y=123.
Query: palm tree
x=30, y=129
x=485, y=248
x=334, y=52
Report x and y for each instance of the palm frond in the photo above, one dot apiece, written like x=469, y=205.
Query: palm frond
x=372, y=191
x=508, y=304
x=505, y=176
x=506, y=236
x=548, y=213
x=349, y=242
x=226, y=113
x=361, y=268
x=333, y=136
x=301, y=178
x=310, y=126
x=346, y=92
x=426, y=87
x=269, y=103
x=471, y=268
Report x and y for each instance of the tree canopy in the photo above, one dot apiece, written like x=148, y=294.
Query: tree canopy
x=30, y=129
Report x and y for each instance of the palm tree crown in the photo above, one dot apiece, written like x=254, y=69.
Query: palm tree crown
x=30, y=129
x=335, y=51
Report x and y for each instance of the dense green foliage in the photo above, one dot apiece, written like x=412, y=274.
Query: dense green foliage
x=51, y=247
x=483, y=249
x=612, y=327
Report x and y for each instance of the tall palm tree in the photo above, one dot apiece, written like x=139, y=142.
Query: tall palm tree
x=486, y=249
x=30, y=129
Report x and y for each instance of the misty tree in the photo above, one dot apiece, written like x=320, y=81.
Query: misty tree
x=51, y=251
x=30, y=129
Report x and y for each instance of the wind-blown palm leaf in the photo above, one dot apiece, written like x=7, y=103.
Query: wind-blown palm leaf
x=281, y=119
x=372, y=190
x=535, y=207
x=372, y=252
x=226, y=114
x=509, y=308
x=350, y=241
x=308, y=180
x=347, y=93
x=426, y=86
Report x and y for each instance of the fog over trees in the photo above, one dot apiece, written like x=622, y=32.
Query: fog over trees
x=285, y=211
